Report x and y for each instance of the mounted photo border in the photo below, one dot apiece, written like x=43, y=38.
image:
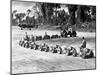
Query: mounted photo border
x=47, y=71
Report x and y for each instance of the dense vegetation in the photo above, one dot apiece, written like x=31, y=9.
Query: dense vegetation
x=82, y=16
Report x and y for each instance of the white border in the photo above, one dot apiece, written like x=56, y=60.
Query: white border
x=5, y=36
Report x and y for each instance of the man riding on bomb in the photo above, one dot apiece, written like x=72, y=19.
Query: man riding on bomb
x=27, y=38
x=32, y=38
x=83, y=45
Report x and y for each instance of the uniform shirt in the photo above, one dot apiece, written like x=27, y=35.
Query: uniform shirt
x=32, y=38
x=83, y=44
x=27, y=38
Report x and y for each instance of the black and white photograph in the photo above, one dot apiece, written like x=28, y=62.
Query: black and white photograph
x=52, y=37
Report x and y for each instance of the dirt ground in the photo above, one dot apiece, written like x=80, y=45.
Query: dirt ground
x=30, y=61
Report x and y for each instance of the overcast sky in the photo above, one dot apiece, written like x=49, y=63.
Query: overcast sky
x=22, y=6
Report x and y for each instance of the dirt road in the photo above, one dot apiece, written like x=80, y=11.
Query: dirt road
x=28, y=61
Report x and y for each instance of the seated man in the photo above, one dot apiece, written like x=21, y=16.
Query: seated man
x=83, y=45
x=26, y=37
x=35, y=46
x=45, y=33
x=44, y=47
x=32, y=38
x=86, y=53
x=59, y=49
x=32, y=45
x=21, y=42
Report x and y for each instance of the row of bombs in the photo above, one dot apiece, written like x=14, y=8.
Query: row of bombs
x=70, y=51
x=45, y=37
x=37, y=38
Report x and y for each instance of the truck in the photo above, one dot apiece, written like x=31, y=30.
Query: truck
x=69, y=30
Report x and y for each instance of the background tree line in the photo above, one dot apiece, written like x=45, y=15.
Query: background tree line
x=49, y=14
